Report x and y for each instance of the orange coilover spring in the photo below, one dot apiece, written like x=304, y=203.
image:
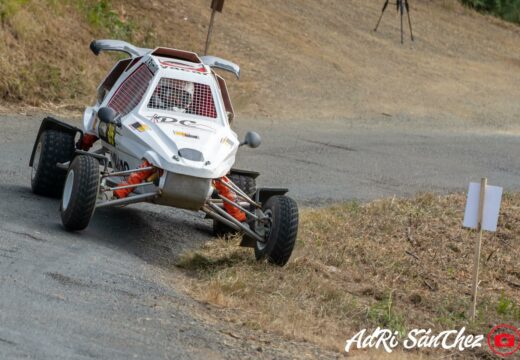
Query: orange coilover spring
x=224, y=191
x=134, y=179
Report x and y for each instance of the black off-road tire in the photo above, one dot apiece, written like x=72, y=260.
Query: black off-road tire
x=283, y=230
x=54, y=147
x=248, y=185
x=244, y=182
x=80, y=193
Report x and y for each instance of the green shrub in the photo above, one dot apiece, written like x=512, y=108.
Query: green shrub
x=507, y=9
x=100, y=14
x=9, y=7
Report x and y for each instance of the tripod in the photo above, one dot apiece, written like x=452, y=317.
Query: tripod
x=402, y=5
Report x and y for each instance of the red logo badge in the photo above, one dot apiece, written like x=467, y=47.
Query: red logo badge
x=504, y=340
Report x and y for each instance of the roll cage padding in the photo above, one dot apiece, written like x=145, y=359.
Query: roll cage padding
x=50, y=123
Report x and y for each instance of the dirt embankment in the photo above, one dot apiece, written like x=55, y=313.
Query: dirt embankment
x=393, y=263
x=313, y=59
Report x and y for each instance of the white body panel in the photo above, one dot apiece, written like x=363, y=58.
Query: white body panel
x=160, y=138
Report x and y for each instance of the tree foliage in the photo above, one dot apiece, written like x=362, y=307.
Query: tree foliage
x=506, y=9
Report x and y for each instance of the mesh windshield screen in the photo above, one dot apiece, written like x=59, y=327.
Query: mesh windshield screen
x=183, y=96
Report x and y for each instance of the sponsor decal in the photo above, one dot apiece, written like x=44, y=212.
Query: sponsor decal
x=140, y=127
x=173, y=64
x=158, y=119
x=503, y=340
x=102, y=130
x=227, y=141
x=185, y=134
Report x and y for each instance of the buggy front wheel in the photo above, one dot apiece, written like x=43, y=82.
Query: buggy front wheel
x=80, y=193
x=281, y=232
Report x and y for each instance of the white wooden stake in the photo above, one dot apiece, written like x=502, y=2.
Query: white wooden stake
x=478, y=246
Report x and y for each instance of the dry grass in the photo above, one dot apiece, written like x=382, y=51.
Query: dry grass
x=398, y=263
x=42, y=55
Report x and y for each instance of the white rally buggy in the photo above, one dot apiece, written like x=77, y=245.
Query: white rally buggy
x=165, y=112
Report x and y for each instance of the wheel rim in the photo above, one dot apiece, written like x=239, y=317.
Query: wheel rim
x=36, y=160
x=67, y=190
x=262, y=245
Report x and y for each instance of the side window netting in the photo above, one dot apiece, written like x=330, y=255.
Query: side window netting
x=131, y=90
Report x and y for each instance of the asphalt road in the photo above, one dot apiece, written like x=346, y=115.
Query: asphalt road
x=100, y=293
x=350, y=159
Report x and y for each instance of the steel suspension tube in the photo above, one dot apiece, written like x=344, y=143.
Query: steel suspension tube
x=238, y=207
x=231, y=186
x=127, y=172
x=241, y=226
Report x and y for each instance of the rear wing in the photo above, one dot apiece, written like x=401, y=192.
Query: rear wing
x=218, y=63
x=98, y=46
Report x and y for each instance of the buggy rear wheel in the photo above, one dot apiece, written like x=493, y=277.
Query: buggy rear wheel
x=53, y=147
x=245, y=183
x=80, y=193
x=281, y=232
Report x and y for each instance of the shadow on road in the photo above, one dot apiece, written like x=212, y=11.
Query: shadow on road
x=156, y=234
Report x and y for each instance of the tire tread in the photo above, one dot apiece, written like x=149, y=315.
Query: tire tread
x=83, y=198
x=283, y=233
x=57, y=147
x=245, y=183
